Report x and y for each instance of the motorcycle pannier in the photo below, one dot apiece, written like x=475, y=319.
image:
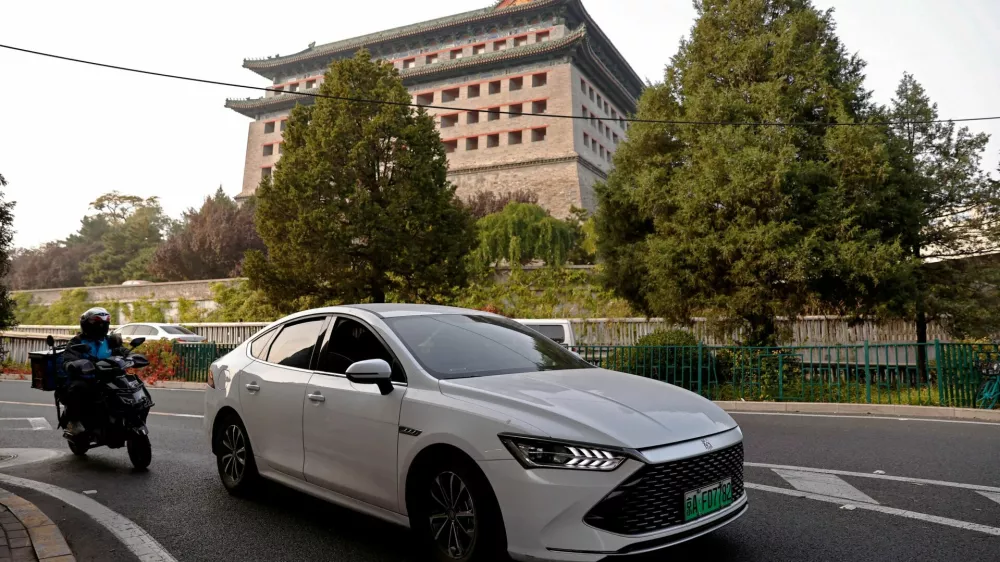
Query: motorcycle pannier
x=46, y=369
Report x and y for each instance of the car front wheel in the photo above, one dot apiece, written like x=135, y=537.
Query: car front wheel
x=234, y=457
x=457, y=517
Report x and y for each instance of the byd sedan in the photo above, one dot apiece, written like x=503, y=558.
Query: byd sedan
x=477, y=432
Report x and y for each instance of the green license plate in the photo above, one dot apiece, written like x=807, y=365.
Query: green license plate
x=709, y=499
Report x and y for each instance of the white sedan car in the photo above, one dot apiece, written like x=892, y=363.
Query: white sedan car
x=480, y=434
x=156, y=331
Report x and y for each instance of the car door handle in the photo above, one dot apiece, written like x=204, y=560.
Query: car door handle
x=317, y=397
x=253, y=387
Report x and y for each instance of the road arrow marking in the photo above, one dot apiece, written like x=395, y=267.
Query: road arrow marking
x=995, y=496
x=882, y=509
x=36, y=423
x=824, y=485
x=976, y=487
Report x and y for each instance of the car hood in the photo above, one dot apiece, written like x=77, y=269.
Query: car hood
x=596, y=406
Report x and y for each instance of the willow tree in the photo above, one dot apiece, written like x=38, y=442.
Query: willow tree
x=359, y=208
x=747, y=222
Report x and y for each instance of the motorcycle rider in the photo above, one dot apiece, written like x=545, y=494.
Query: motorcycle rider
x=80, y=392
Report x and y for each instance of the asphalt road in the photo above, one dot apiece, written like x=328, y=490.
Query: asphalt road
x=181, y=503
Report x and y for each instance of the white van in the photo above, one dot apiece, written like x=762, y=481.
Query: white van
x=559, y=331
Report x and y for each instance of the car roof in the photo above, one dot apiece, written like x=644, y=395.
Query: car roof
x=389, y=310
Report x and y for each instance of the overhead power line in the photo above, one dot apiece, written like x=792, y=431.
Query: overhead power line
x=478, y=110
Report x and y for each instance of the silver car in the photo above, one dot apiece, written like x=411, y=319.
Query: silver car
x=156, y=331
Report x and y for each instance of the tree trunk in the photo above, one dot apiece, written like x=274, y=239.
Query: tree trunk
x=378, y=295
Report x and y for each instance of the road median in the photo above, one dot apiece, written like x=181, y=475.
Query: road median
x=29, y=534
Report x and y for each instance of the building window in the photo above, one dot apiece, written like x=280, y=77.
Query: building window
x=278, y=89
x=268, y=127
x=541, y=36
x=450, y=94
x=600, y=102
x=456, y=54
x=431, y=59
x=473, y=91
x=539, y=80
x=449, y=120
x=492, y=114
x=494, y=87
x=591, y=90
x=538, y=135
x=607, y=108
x=583, y=86
x=281, y=148
x=586, y=140
x=602, y=153
x=493, y=141
x=515, y=110
x=615, y=139
x=593, y=146
x=515, y=84
x=514, y=137
x=583, y=111
x=450, y=146
x=268, y=149
x=522, y=40
x=425, y=99
x=478, y=49
x=472, y=143
x=500, y=45
x=284, y=123
x=310, y=84
x=621, y=122
x=607, y=155
x=472, y=117
x=265, y=173
x=409, y=63
x=293, y=87
x=539, y=106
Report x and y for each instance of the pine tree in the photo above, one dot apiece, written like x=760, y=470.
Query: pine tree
x=7, y=305
x=360, y=208
x=745, y=223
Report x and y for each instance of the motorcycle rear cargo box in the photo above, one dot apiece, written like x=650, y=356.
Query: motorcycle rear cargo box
x=46, y=369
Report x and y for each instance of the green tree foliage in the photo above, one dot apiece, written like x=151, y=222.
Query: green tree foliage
x=136, y=228
x=360, y=206
x=209, y=243
x=948, y=219
x=7, y=305
x=57, y=264
x=65, y=311
x=745, y=223
x=522, y=233
x=485, y=202
x=237, y=302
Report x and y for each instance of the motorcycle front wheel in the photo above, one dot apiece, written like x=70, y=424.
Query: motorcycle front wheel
x=140, y=451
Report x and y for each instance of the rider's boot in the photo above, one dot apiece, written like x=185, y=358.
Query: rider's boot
x=74, y=428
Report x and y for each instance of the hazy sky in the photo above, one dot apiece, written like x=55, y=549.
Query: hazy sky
x=69, y=133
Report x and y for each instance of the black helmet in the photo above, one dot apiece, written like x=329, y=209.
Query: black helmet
x=95, y=323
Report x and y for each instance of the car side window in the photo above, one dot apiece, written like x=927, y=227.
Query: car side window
x=127, y=330
x=258, y=347
x=294, y=344
x=351, y=341
x=144, y=331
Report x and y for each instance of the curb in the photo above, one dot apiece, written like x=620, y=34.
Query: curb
x=934, y=412
x=180, y=385
x=43, y=536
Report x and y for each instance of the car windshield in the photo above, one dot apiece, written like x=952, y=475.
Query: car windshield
x=177, y=330
x=454, y=346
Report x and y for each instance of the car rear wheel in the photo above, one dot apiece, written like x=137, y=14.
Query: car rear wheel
x=457, y=516
x=234, y=457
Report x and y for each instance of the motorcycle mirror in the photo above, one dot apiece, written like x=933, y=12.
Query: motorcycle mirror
x=49, y=340
x=136, y=342
x=139, y=361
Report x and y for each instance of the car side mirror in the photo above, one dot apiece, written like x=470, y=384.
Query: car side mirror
x=372, y=371
x=136, y=342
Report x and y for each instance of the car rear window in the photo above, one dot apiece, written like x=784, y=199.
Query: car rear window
x=177, y=330
x=554, y=332
x=452, y=346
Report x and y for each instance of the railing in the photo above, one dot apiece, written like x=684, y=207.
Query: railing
x=17, y=345
x=194, y=360
x=232, y=333
x=866, y=373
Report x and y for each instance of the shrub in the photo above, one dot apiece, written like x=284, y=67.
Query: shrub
x=666, y=355
x=162, y=361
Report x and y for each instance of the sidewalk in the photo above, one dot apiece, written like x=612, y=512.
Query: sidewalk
x=28, y=534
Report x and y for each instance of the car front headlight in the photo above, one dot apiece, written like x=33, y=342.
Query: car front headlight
x=533, y=452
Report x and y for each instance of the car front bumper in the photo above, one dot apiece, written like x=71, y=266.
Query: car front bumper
x=544, y=510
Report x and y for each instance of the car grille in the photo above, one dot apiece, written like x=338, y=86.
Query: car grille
x=652, y=499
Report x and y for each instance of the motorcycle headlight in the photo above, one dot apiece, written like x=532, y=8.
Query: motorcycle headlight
x=543, y=453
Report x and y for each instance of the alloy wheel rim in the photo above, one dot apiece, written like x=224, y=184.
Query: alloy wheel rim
x=234, y=457
x=452, y=515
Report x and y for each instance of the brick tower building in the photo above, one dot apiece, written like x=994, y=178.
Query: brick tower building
x=530, y=56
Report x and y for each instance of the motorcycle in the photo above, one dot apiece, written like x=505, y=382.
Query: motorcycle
x=117, y=417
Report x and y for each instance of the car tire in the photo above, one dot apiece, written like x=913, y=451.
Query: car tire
x=234, y=457
x=457, y=517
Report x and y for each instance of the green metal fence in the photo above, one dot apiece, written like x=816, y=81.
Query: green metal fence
x=865, y=373
x=194, y=359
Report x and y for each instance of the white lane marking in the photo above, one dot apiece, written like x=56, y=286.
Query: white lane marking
x=133, y=536
x=27, y=456
x=36, y=423
x=976, y=487
x=53, y=406
x=861, y=417
x=882, y=509
x=995, y=496
x=824, y=485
